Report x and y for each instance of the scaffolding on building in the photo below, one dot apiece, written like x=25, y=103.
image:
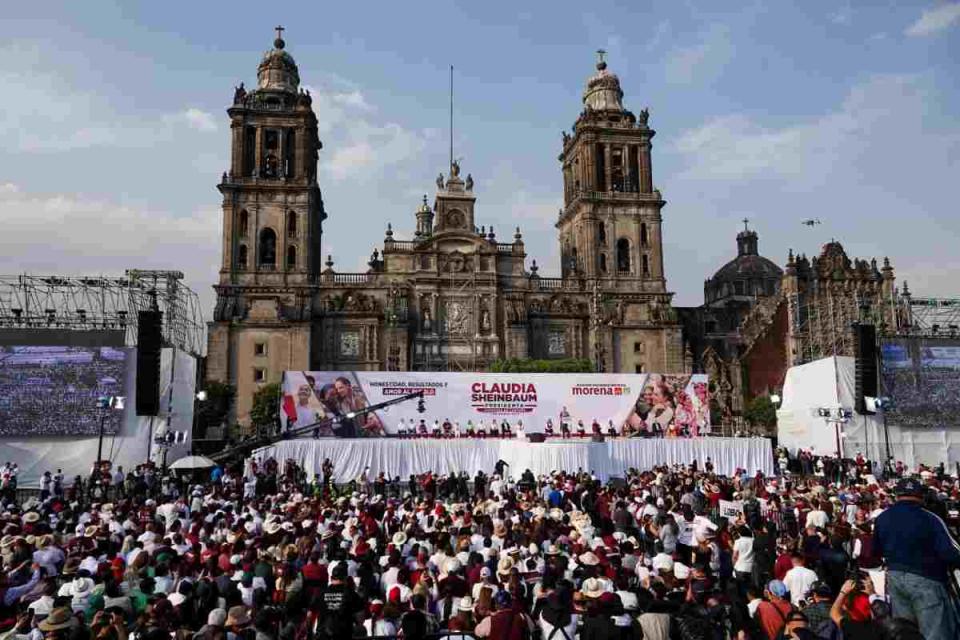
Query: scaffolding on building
x=930, y=317
x=104, y=303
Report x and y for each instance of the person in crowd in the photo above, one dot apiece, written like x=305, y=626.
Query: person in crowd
x=919, y=553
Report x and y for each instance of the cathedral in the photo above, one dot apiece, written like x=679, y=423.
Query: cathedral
x=449, y=296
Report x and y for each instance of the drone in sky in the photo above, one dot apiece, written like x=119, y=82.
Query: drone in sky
x=811, y=222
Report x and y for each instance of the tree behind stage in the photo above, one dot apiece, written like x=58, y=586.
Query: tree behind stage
x=567, y=365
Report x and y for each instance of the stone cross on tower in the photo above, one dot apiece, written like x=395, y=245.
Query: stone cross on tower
x=745, y=221
x=601, y=63
x=279, y=29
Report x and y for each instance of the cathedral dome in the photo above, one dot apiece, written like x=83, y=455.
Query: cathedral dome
x=603, y=92
x=277, y=70
x=749, y=274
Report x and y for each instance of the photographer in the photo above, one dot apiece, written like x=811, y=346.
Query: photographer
x=919, y=555
x=851, y=613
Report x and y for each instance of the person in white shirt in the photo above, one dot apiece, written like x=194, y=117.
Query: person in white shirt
x=817, y=518
x=799, y=579
x=743, y=555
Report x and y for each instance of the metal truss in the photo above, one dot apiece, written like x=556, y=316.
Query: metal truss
x=104, y=303
x=930, y=317
x=822, y=321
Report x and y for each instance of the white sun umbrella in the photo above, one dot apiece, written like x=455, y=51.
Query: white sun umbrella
x=193, y=462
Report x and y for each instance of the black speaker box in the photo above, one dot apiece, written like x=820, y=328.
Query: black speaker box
x=149, y=343
x=865, y=372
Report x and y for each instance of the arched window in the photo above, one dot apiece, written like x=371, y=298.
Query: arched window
x=643, y=234
x=602, y=233
x=291, y=224
x=603, y=263
x=242, y=257
x=291, y=258
x=646, y=265
x=244, y=223
x=268, y=248
x=623, y=255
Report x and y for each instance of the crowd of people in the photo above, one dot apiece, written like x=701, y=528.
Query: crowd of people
x=261, y=552
x=53, y=391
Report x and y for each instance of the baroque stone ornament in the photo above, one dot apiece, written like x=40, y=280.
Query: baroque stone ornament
x=350, y=344
x=457, y=317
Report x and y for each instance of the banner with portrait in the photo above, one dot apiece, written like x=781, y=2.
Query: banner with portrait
x=337, y=402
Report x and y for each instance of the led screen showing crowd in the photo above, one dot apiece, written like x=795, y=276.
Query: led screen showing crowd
x=922, y=377
x=53, y=391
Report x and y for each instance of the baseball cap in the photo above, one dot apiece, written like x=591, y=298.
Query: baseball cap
x=777, y=588
x=910, y=487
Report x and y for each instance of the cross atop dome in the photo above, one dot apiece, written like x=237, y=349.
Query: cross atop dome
x=279, y=43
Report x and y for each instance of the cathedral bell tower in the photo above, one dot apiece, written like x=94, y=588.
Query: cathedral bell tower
x=272, y=224
x=609, y=225
x=272, y=208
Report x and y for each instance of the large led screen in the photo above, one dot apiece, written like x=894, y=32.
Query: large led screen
x=54, y=391
x=922, y=377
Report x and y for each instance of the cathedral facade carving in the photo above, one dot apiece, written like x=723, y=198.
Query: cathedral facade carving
x=454, y=296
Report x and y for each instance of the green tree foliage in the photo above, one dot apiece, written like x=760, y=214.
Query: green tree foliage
x=761, y=412
x=213, y=411
x=568, y=365
x=266, y=405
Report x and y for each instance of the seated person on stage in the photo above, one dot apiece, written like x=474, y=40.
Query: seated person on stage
x=471, y=432
x=595, y=428
x=447, y=428
x=435, y=431
x=611, y=430
x=481, y=429
x=422, y=428
x=564, y=428
x=548, y=429
x=402, y=428
x=519, y=429
x=581, y=430
x=505, y=430
x=456, y=429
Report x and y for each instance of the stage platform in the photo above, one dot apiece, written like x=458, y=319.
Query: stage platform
x=403, y=457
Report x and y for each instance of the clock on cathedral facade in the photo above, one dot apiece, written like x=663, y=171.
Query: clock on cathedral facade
x=453, y=296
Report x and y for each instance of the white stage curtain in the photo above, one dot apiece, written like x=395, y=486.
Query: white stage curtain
x=608, y=459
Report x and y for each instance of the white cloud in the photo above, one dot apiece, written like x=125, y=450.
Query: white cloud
x=843, y=15
x=66, y=233
x=880, y=158
x=200, y=120
x=701, y=61
x=935, y=19
x=359, y=143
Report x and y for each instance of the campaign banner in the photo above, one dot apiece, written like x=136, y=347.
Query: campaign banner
x=731, y=510
x=674, y=405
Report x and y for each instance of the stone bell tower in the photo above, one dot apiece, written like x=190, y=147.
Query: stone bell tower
x=610, y=224
x=272, y=225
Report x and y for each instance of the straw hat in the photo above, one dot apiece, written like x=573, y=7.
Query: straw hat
x=399, y=538
x=59, y=618
x=90, y=531
x=271, y=528
x=504, y=566
x=237, y=616
x=591, y=588
x=465, y=604
x=589, y=559
x=32, y=516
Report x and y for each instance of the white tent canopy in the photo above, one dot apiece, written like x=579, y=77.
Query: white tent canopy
x=829, y=383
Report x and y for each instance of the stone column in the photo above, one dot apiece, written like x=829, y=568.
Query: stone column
x=607, y=168
x=236, y=158
x=258, y=153
x=627, y=170
x=646, y=171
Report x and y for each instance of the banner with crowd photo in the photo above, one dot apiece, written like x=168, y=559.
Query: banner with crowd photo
x=335, y=401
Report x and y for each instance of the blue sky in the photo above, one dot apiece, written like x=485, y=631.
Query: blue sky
x=113, y=131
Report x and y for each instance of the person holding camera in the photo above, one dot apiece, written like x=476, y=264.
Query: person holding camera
x=919, y=554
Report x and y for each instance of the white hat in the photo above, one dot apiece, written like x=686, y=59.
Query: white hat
x=662, y=562
x=465, y=604
x=589, y=559
x=681, y=571
x=591, y=588
x=399, y=538
x=176, y=598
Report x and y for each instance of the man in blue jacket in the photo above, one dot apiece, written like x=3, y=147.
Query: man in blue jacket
x=919, y=555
